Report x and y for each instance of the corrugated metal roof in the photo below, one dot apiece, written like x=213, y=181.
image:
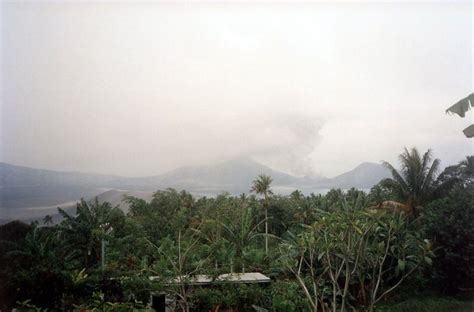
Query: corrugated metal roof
x=243, y=278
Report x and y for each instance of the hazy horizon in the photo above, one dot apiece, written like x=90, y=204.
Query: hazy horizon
x=442, y=166
x=141, y=89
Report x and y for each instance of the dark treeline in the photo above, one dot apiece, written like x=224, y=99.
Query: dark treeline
x=341, y=251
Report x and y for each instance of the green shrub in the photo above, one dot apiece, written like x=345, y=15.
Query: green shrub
x=287, y=296
x=237, y=296
x=449, y=223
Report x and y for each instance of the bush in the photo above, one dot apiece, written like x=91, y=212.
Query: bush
x=449, y=222
x=362, y=256
x=287, y=296
x=240, y=297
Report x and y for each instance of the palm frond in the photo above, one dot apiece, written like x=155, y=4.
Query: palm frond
x=397, y=177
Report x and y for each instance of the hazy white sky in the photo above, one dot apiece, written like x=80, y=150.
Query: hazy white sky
x=138, y=89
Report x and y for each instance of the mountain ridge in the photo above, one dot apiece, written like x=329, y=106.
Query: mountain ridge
x=22, y=187
x=365, y=175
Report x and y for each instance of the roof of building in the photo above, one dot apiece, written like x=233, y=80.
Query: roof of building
x=243, y=278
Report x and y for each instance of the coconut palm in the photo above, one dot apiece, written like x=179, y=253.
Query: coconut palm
x=261, y=186
x=415, y=183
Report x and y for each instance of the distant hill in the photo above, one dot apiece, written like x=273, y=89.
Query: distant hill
x=33, y=192
x=19, y=176
x=234, y=176
x=363, y=176
x=29, y=187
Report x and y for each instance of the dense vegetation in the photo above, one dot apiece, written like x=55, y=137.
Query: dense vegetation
x=346, y=250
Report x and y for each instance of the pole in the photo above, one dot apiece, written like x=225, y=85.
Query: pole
x=102, y=258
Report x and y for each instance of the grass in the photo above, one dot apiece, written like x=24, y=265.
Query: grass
x=428, y=304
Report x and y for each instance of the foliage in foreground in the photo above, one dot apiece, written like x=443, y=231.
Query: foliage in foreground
x=450, y=223
x=354, y=258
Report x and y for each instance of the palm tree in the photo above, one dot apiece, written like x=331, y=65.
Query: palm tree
x=37, y=267
x=84, y=232
x=240, y=234
x=415, y=183
x=48, y=219
x=261, y=186
x=38, y=247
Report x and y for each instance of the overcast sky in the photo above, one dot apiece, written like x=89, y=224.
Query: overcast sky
x=138, y=89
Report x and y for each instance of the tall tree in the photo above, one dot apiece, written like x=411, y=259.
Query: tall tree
x=462, y=173
x=39, y=271
x=415, y=182
x=261, y=186
x=467, y=170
